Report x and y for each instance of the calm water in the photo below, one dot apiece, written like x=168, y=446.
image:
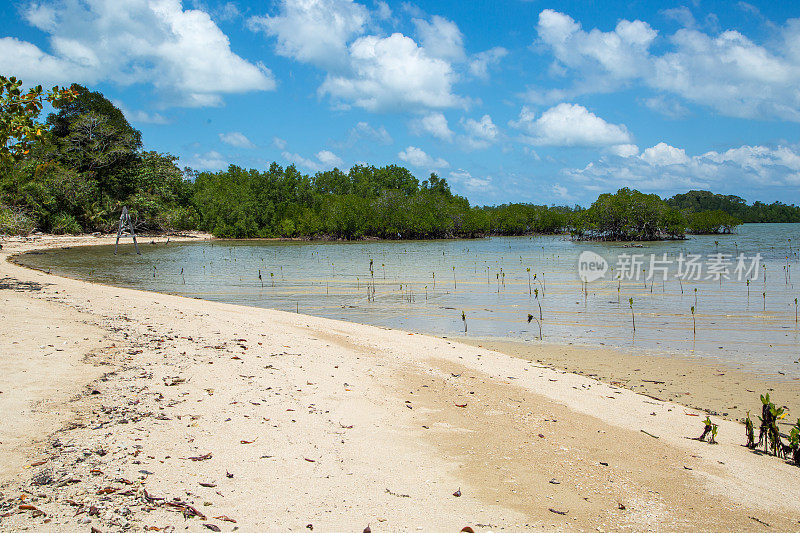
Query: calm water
x=425, y=285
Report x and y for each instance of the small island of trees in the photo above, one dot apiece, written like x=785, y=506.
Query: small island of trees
x=75, y=172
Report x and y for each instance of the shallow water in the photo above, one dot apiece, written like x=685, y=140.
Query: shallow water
x=425, y=285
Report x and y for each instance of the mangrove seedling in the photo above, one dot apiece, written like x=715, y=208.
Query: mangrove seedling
x=538, y=322
x=464, y=320
x=713, y=439
x=766, y=420
x=633, y=317
x=794, y=442
x=259, y=277
x=749, y=432
x=454, y=278
x=694, y=324
x=536, y=296
x=706, y=428
x=529, y=283
x=769, y=433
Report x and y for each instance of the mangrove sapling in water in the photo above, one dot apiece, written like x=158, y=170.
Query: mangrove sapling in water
x=464, y=320
x=748, y=293
x=529, y=282
x=538, y=322
x=633, y=317
x=536, y=296
x=259, y=277
x=694, y=324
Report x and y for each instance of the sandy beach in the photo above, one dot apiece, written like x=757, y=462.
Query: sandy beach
x=129, y=410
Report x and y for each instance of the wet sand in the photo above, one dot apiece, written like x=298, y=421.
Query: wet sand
x=176, y=413
x=717, y=388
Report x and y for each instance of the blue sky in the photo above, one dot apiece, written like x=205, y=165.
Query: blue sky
x=516, y=101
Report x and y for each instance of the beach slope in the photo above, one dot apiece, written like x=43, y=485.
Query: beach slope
x=132, y=410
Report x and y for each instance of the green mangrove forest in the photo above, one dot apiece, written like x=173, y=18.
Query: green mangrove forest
x=74, y=172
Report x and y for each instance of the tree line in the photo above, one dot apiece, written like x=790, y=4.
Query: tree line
x=74, y=173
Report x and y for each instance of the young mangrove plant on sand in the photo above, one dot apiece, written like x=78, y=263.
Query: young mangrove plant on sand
x=709, y=428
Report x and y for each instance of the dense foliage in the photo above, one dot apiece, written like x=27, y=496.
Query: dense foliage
x=697, y=201
x=630, y=215
x=711, y=222
x=75, y=172
x=86, y=163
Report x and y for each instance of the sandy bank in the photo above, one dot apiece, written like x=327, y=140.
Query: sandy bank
x=280, y=421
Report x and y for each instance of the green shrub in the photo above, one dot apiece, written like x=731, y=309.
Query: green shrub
x=15, y=222
x=64, y=223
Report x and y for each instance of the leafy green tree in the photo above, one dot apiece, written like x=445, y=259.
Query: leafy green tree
x=18, y=113
x=631, y=215
x=85, y=102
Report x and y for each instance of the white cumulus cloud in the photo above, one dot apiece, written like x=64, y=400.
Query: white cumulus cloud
x=468, y=181
x=665, y=169
x=237, y=139
x=480, y=63
x=376, y=72
x=325, y=160
x=570, y=125
x=441, y=38
x=391, y=73
x=434, y=124
x=480, y=133
x=181, y=52
x=211, y=160
x=726, y=70
x=624, y=150
x=663, y=154
x=329, y=159
x=314, y=31
x=417, y=157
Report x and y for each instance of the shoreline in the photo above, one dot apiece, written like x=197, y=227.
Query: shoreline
x=336, y=407
x=719, y=388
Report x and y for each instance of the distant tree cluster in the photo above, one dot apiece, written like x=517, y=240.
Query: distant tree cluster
x=698, y=201
x=76, y=171
x=630, y=215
